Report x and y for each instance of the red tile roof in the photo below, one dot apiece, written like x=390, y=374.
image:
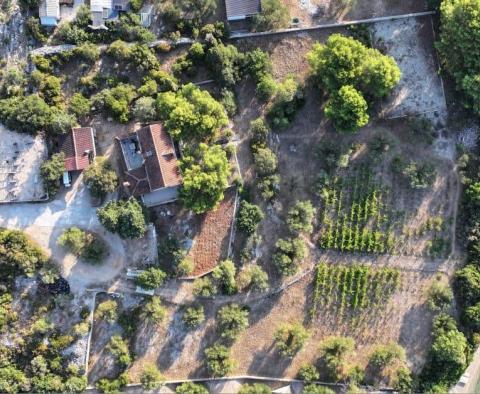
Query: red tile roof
x=76, y=146
x=160, y=167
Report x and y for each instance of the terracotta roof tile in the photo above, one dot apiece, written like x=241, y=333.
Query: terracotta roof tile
x=76, y=145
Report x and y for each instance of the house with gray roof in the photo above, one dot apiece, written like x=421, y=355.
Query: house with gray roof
x=241, y=9
x=49, y=12
x=104, y=10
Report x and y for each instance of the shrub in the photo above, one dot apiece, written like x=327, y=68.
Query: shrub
x=334, y=351
x=154, y=310
x=119, y=349
x=288, y=99
x=151, y=378
x=218, y=360
x=185, y=267
x=232, y=320
x=76, y=384
x=225, y=62
x=111, y=386
x=204, y=287
x=205, y=177
x=165, y=82
x=403, y=380
x=224, y=274
x=117, y=101
x=274, y=15
x=149, y=88
x=300, y=217
x=288, y=253
x=193, y=316
x=119, y=50
x=252, y=277
x=191, y=388
x=269, y=186
x=265, y=162
x=290, y=338
x=228, y=101
x=88, y=52
x=79, y=105
x=255, y=388
x=266, y=87
x=347, y=109
x=19, y=254
x=308, y=372
x=440, y=297
x=151, y=278
x=143, y=57
x=107, y=310
x=191, y=113
x=384, y=355
x=317, y=389
x=467, y=284
x=74, y=239
x=100, y=177
x=144, y=109
x=48, y=86
x=249, y=217
x=259, y=131
x=257, y=64
x=126, y=218
x=34, y=28
x=419, y=175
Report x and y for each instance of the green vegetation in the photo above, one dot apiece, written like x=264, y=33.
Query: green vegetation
x=126, y=218
x=218, y=360
x=224, y=274
x=289, y=252
x=232, y=320
x=107, y=310
x=354, y=287
x=154, y=311
x=255, y=388
x=252, y=277
x=205, y=176
x=151, y=378
x=83, y=244
x=191, y=388
x=274, y=15
x=249, y=217
x=290, y=338
x=334, y=351
x=353, y=75
x=300, y=217
x=151, y=278
x=440, y=296
x=100, y=177
x=191, y=113
x=193, y=316
x=52, y=171
x=119, y=349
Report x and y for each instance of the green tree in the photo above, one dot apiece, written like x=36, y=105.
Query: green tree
x=346, y=61
x=116, y=101
x=224, y=274
x=218, y=360
x=79, y=105
x=255, y=388
x=76, y=384
x=193, y=316
x=12, y=380
x=440, y=296
x=274, y=15
x=52, y=171
x=125, y=217
x=151, y=378
x=467, y=283
x=100, y=177
x=334, y=352
x=300, y=217
x=119, y=50
x=317, y=389
x=232, y=320
x=154, y=310
x=347, y=109
x=308, y=373
x=191, y=388
x=252, y=277
x=28, y=114
x=290, y=338
x=191, y=113
x=403, y=380
x=249, y=217
x=74, y=239
x=287, y=255
x=459, y=43
x=265, y=161
x=384, y=355
x=204, y=287
x=224, y=61
x=144, y=109
x=107, y=310
x=205, y=177
x=151, y=278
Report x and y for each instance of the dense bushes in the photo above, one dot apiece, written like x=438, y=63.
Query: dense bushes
x=458, y=46
x=334, y=352
x=274, y=15
x=51, y=171
x=81, y=243
x=290, y=338
x=151, y=378
x=151, y=278
x=191, y=113
x=289, y=252
x=100, y=177
x=205, y=174
x=193, y=316
x=218, y=360
x=117, y=101
x=300, y=217
x=249, y=217
x=358, y=73
x=126, y=218
x=232, y=320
